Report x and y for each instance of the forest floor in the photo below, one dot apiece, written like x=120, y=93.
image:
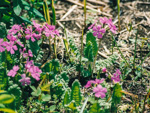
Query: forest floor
x=70, y=15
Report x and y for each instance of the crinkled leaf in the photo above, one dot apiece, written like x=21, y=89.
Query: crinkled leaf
x=92, y=39
x=72, y=105
x=116, y=97
x=66, y=99
x=88, y=51
x=65, y=76
x=76, y=93
x=3, y=30
x=95, y=108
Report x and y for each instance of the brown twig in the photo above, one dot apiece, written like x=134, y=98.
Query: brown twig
x=88, y=7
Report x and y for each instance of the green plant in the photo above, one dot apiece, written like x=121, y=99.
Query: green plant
x=15, y=90
x=13, y=15
x=84, y=13
x=6, y=99
x=118, y=6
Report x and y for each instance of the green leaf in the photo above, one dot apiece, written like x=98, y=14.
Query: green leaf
x=34, y=47
x=31, y=9
x=92, y=39
x=2, y=105
x=7, y=110
x=25, y=19
x=53, y=13
x=38, y=91
x=3, y=30
x=66, y=44
x=88, y=51
x=15, y=90
x=95, y=108
x=76, y=93
x=86, y=73
x=6, y=99
x=65, y=76
x=45, y=97
x=33, y=88
x=116, y=97
x=52, y=108
x=4, y=2
x=72, y=105
x=52, y=66
x=66, y=99
x=25, y=3
x=36, y=12
x=17, y=6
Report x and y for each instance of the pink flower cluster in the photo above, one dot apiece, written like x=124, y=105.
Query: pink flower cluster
x=25, y=80
x=13, y=72
x=47, y=30
x=26, y=55
x=33, y=32
x=11, y=45
x=98, y=30
x=30, y=68
x=116, y=76
x=33, y=70
x=98, y=90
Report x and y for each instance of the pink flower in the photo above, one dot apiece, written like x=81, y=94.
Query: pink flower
x=2, y=44
x=38, y=27
x=92, y=25
x=49, y=30
x=30, y=53
x=25, y=55
x=116, y=76
x=29, y=34
x=88, y=84
x=11, y=47
x=35, y=72
x=25, y=80
x=111, y=26
x=19, y=35
x=99, y=91
x=97, y=81
x=11, y=37
x=19, y=43
x=103, y=20
x=98, y=31
x=13, y=72
x=15, y=28
x=28, y=64
x=104, y=70
x=37, y=36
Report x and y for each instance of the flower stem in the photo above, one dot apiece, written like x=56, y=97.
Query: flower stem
x=55, y=49
x=84, y=14
x=120, y=52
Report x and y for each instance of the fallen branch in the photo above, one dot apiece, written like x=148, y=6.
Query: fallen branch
x=97, y=2
x=70, y=10
x=88, y=7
